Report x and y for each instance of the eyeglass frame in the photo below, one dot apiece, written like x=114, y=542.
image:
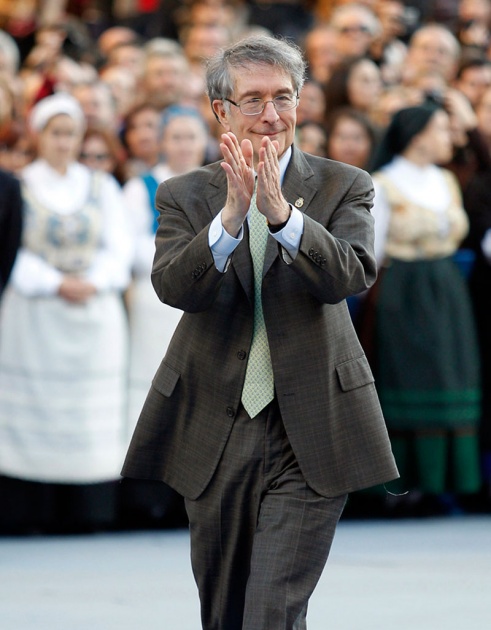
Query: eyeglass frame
x=264, y=103
x=355, y=28
x=97, y=157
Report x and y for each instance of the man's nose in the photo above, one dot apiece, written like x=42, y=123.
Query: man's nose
x=269, y=113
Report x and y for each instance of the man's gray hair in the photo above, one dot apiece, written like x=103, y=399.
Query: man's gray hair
x=253, y=50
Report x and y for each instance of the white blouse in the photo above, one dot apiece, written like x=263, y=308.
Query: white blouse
x=66, y=194
x=425, y=186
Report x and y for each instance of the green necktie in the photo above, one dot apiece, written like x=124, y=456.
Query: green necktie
x=259, y=382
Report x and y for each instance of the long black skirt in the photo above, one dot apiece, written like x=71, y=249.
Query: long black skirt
x=426, y=363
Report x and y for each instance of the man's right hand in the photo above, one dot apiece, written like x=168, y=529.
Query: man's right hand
x=238, y=165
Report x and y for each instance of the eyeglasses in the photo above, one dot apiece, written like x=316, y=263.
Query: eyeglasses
x=97, y=157
x=360, y=28
x=256, y=105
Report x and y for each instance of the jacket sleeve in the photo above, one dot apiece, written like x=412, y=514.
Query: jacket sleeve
x=336, y=257
x=184, y=273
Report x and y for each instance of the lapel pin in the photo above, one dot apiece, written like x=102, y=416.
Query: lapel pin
x=299, y=202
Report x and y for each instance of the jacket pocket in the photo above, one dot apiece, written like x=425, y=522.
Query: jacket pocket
x=354, y=373
x=165, y=380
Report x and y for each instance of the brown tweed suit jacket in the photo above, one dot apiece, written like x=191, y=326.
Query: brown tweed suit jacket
x=323, y=383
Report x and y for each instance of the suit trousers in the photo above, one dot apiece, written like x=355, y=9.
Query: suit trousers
x=260, y=536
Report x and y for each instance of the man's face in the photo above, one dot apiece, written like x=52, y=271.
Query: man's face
x=474, y=82
x=432, y=51
x=264, y=82
x=354, y=33
x=165, y=79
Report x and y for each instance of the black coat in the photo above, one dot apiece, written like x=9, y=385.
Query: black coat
x=10, y=224
x=477, y=202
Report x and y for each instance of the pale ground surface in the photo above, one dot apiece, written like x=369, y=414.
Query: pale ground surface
x=382, y=575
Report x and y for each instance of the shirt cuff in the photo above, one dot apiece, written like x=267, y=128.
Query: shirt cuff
x=290, y=236
x=222, y=245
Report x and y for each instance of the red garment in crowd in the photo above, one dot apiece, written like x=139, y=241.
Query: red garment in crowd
x=147, y=6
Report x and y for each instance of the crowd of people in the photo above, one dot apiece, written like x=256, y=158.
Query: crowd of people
x=101, y=102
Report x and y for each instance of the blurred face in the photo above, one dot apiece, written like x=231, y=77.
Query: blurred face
x=435, y=141
x=312, y=103
x=59, y=141
x=204, y=41
x=14, y=158
x=364, y=85
x=96, y=154
x=484, y=114
x=165, y=79
x=312, y=139
x=143, y=134
x=263, y=82
x=391, y=16
x=123, y=88
x=354, y=33
x=474, y=82
x=350, y=143
x=322, y=53
x=96, y=104
x=184, y=143
x=479, y=10
x=433, y=50
x=130, y=58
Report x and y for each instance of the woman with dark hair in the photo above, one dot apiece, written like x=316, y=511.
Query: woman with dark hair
x=355, y=83
x=425, y=353
x=350, y=137
x=102, y=150
x=142, y=133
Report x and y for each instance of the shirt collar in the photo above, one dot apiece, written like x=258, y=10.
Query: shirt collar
x=284, y=161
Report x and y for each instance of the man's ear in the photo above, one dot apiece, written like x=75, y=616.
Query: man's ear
x=220, y=113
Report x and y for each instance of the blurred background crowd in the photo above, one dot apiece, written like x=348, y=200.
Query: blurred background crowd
x=102, y=100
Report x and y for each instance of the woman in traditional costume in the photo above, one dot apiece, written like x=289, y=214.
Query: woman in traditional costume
x=64, y=339
x=425, y=353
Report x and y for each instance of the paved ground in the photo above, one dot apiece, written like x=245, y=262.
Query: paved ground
x=399, y=575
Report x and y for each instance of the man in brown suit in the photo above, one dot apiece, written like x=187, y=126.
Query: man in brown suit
x=263, y=413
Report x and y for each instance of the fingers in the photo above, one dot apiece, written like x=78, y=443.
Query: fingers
x=268, y=169
x=270, y=200
x=237, y=164
x=239, y=156
x=247, y=152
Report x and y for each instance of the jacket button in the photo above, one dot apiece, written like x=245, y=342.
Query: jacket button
x=241, y=354
x=230, y=412
x=311, y=251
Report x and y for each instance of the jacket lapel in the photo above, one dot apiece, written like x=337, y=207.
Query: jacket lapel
x=297, y=191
